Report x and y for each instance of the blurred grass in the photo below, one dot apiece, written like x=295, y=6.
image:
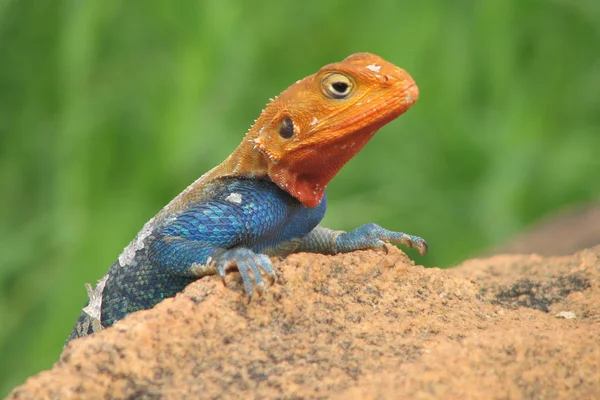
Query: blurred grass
x=109, y=108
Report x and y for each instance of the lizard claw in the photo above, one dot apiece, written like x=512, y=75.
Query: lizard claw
x=418, y=243
x=249, y=264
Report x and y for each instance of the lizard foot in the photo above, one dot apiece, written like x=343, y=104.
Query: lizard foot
x=249, y=265
x=371, y=236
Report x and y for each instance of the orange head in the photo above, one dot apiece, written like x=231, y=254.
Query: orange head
x=314, y=127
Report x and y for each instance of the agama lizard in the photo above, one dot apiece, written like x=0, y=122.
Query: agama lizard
x=267, y=198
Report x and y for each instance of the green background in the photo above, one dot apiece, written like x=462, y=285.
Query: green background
x=109, y=108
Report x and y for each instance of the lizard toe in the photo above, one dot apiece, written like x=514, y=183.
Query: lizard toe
x=265, y=264
x=249, y=265
x=222, y=266
x=420, y=244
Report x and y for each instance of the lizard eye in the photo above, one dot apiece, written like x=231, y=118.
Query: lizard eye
x=286, y=128
x=336, y=86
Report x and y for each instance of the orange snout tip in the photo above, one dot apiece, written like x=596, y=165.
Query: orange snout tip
x=412, y=93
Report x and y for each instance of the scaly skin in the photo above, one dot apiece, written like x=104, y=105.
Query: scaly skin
x=267, y=198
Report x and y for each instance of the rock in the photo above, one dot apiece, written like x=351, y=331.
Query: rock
x=363, y=325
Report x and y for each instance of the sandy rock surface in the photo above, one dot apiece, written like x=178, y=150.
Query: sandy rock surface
x=365, y=325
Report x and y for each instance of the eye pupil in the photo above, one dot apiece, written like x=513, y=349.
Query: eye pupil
x=340, y=87
x=336, y=86
x=286, y=129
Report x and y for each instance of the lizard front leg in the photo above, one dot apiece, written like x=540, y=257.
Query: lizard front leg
x=194, y=259
x=369, y=236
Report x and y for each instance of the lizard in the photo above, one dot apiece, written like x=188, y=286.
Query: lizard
x=266, y=199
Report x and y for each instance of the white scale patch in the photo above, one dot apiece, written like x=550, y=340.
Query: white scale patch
x=94, y=307
x=210, y=268
x=314, y=121
x=374, y=67
x=136, y=244
x=235, y=198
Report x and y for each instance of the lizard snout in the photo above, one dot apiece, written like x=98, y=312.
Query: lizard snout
x=412, y=93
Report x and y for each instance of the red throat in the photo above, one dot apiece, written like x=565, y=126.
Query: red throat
x=308, y=189
x=306, y=173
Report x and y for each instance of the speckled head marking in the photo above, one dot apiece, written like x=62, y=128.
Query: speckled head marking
x=305, y=135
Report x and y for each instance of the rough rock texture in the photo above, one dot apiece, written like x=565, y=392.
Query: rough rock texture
x=365, y=325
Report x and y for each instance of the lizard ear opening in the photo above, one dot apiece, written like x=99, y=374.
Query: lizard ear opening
x=286, y=128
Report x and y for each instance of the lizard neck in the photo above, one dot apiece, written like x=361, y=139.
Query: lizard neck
x=245, y=161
